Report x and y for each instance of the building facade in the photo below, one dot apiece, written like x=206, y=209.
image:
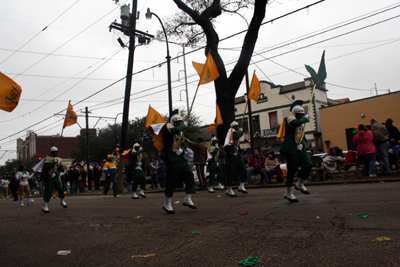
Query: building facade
x=337, y=121
x=40, y=146
x=273, y=106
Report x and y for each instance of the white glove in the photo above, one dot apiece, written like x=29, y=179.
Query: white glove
x=307, y=116
x=216, y=145
x=299, y=147
x=217, y=164
x=141, y=149
x=185, y=123
x=139, y=164
x=179, y=151
x=240, y=129
x=53, y=175
x=55, y=160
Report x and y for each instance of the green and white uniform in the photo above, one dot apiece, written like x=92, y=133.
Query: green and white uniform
x=51, y=177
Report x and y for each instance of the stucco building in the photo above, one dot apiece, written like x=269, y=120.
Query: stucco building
x=337, y=121
x=273, y=105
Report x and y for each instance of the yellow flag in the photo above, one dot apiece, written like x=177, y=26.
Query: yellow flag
x=153, y=117
x=208, y=72
x=70, y=117
x=218, y=120
x=126, y=156
x=254, y=90
x=10, y=92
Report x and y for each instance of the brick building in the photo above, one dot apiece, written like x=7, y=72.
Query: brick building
x=40, y=146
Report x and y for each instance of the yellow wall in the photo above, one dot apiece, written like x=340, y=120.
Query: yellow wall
x=336, y=119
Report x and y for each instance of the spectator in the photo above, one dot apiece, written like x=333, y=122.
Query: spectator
x=128, y=180
x=97, y=175
x=80, y=181
x=365, y=149
x=337, y=152
x=90, y=178
x=162, y=174
x=393, y=132
x=153, y=173
x=256, y=165
x=381, y=141
x=72, y=177
x=14, y=184
x=189, y=156
x=271, y=165
x=200, y=158
x=329, y=159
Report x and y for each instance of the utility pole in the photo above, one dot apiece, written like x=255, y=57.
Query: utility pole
x=128, y=27
x=87, y=144
x=186, y=87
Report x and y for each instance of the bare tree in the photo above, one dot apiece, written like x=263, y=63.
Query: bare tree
x=196, y=22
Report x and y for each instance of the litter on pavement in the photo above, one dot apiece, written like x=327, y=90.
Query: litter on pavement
x=63, y=252
x=244, y=213
x=143, y=256
x=365, y=215
x=381, y=239
x=250, y=261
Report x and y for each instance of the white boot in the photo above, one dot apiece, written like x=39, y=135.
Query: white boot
x=210, y=189
x=63, y=203
x=167, y=206
x=22, y=203
x=300, y=186
x=45, y=208
x=220, y=186
x=30, y=201
x=141, y=193
x=134, y=195
x=290, y=196
x=187, y=202
x=242, y=189
x=230, y=192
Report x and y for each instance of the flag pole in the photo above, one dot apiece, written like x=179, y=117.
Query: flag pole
x=62, y=131
x=144, y=130
x=308, y=112
x=198, y=85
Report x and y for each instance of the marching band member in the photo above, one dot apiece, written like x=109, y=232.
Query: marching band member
x=51, y=176
x=234, y=161
x=293, y=149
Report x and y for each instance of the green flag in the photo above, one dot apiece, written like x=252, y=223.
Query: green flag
x=321, y=76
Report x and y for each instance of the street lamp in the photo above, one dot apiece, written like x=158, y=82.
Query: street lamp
x=168, y=57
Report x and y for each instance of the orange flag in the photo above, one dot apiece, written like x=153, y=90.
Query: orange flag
x=208, y=72
x=10, y=92
x=254, y=90
x=70, y=117
x=156, y=125
x=153, y=117
x=218, y=120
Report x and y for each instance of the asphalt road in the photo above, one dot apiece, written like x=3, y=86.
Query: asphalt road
x=321, y=230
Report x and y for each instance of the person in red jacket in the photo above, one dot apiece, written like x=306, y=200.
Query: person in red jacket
x=256, y=165
x=365, y=149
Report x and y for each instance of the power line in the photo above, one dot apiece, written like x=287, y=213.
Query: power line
x=37, y=62
x=39, y=32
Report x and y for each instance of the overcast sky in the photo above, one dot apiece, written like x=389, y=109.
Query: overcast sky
x=76, y=56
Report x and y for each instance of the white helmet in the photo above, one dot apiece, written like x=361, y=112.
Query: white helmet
x=297, y=110
x=175, y=118
x=214, y=139
x=234, y=123
x=53, y=149
x=135, y=145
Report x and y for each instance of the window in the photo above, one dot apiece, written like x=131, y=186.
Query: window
x=273, y=120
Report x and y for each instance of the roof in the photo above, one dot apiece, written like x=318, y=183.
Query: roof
x=343, y=100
